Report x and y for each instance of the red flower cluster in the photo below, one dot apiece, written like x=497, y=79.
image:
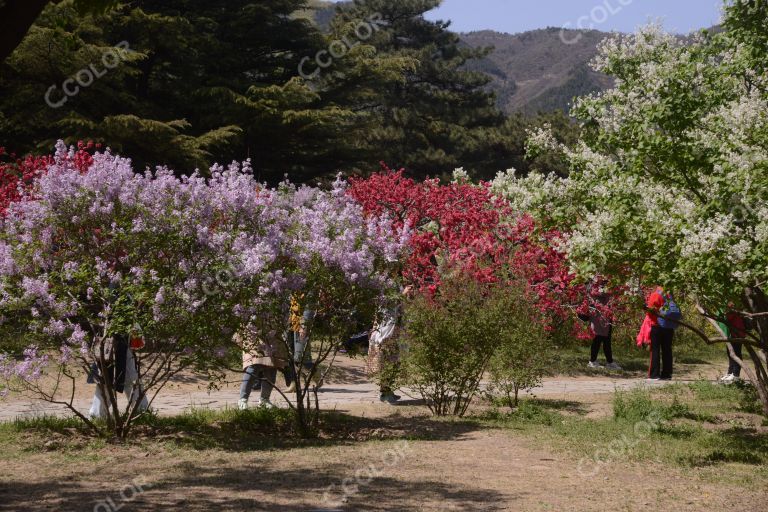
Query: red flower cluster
x=545, y=270
x=457, y=225
x=17, y=175
x=465, y=226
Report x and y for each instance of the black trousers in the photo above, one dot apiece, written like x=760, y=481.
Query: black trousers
x=605, y=341
x=733, y=367
x=661, y=353
x=116, y=371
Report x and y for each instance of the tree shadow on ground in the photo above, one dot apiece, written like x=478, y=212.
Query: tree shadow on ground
x=347, y=374
x=253, y=430
x=201, y=487
x=569, y=406
x=693, y=360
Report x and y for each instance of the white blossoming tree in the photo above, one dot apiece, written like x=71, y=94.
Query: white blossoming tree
x=670, y=179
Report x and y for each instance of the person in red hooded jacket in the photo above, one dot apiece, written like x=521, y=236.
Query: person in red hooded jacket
x=660, y=367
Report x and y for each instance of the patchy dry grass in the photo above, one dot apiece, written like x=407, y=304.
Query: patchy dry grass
x=698, y=425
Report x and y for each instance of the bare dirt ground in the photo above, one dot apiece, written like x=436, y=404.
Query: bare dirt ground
x=458, y=466
x=464, y=468
x=346, y=385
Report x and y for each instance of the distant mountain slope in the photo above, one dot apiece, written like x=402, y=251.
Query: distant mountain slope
x=323, y=12
x=532, y=71
x=536, y=70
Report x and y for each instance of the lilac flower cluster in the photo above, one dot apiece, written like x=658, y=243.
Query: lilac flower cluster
x=81, y=243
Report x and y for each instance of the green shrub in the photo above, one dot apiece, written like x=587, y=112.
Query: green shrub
x=528, y=413
x=449, y=340
x=748, y=399
x=522, y=352
x=634, y=405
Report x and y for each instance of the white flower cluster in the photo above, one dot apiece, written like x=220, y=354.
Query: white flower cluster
x=535, y=193
x=460, y=176
x=708, y=236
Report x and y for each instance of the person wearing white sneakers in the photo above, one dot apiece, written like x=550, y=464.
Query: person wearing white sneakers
x=734, y=328
x=261, y=361
x=602, y=328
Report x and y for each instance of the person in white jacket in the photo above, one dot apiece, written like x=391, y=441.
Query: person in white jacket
x=126, y=379
x=384, y=348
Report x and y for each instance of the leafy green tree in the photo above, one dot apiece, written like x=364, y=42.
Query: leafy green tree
x=441, y=115
x=198, y=82
x=17, y=16
x=669, y=178
x=521, y=355
x=514, y=133
x=232, y=64
x=73, y=75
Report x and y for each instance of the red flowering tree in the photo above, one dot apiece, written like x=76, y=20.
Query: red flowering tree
x=465, y=226
x=538, y=260
x=457, y=224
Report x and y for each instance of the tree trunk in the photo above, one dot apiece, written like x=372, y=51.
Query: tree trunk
x=16, y=17
x=757, y=302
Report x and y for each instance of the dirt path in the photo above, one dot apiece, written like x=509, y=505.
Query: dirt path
x=347, y=386
x=459, y=466
x=466, y=469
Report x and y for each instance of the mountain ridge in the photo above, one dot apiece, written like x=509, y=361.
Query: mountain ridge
x=535, y=71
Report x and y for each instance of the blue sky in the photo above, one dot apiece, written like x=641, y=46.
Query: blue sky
x=513, y=16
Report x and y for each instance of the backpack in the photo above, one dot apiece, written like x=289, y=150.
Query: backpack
x=671, y=312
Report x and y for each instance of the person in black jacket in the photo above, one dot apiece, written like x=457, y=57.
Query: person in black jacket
x=124, y=375
x=602, y=328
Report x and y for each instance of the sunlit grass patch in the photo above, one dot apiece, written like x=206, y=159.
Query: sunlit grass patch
x=695, y=426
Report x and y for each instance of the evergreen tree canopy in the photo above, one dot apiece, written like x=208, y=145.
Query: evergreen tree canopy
x=186, y=83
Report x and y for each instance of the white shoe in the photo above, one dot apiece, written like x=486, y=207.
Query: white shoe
x=594, y=364
x=729, y=379
x=242, y=404
x=613, y=366
x=266, y=404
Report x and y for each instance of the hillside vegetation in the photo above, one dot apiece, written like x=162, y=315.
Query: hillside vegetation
x=536, y=71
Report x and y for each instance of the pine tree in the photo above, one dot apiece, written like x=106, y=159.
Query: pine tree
x=70, y=78
x=441, y=115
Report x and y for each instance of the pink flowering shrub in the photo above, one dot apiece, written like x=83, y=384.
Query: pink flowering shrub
x=184, y=261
